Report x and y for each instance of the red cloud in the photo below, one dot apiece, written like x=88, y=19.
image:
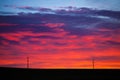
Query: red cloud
x=65, y=52
x=10, y=37
x=54, y=25
x=5, y=42
x=51, y=25
x=59, y=59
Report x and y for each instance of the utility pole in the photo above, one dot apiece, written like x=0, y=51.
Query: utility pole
x=27, y=62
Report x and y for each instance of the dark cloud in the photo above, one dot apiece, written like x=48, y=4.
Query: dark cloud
x=85, y=22
x=22, y=23
x=25, y=28
x=35, y=9
x=113, y=43
x=109, y=25
x=80, y=31
x=113, y=14
x=107, y=58
x=30, y=8
x=6, y=13
x=77, y=25
x=70, y=10
x=47, y=37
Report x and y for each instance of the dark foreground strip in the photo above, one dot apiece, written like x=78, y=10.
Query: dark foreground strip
x=59, y=74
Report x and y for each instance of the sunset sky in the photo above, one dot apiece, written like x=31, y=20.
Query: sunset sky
x=60, y=33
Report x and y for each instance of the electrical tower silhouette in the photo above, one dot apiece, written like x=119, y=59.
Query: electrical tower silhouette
x=93, y=62
x=27, y=62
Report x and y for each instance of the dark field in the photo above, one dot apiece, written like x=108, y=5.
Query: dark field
x=58, y=74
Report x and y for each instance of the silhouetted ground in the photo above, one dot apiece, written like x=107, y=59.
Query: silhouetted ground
x=58, y=74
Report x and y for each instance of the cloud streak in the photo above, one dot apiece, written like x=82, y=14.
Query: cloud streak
x=70, y=10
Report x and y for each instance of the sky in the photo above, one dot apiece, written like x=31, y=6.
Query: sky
x=60, y=34
x=101, y=4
